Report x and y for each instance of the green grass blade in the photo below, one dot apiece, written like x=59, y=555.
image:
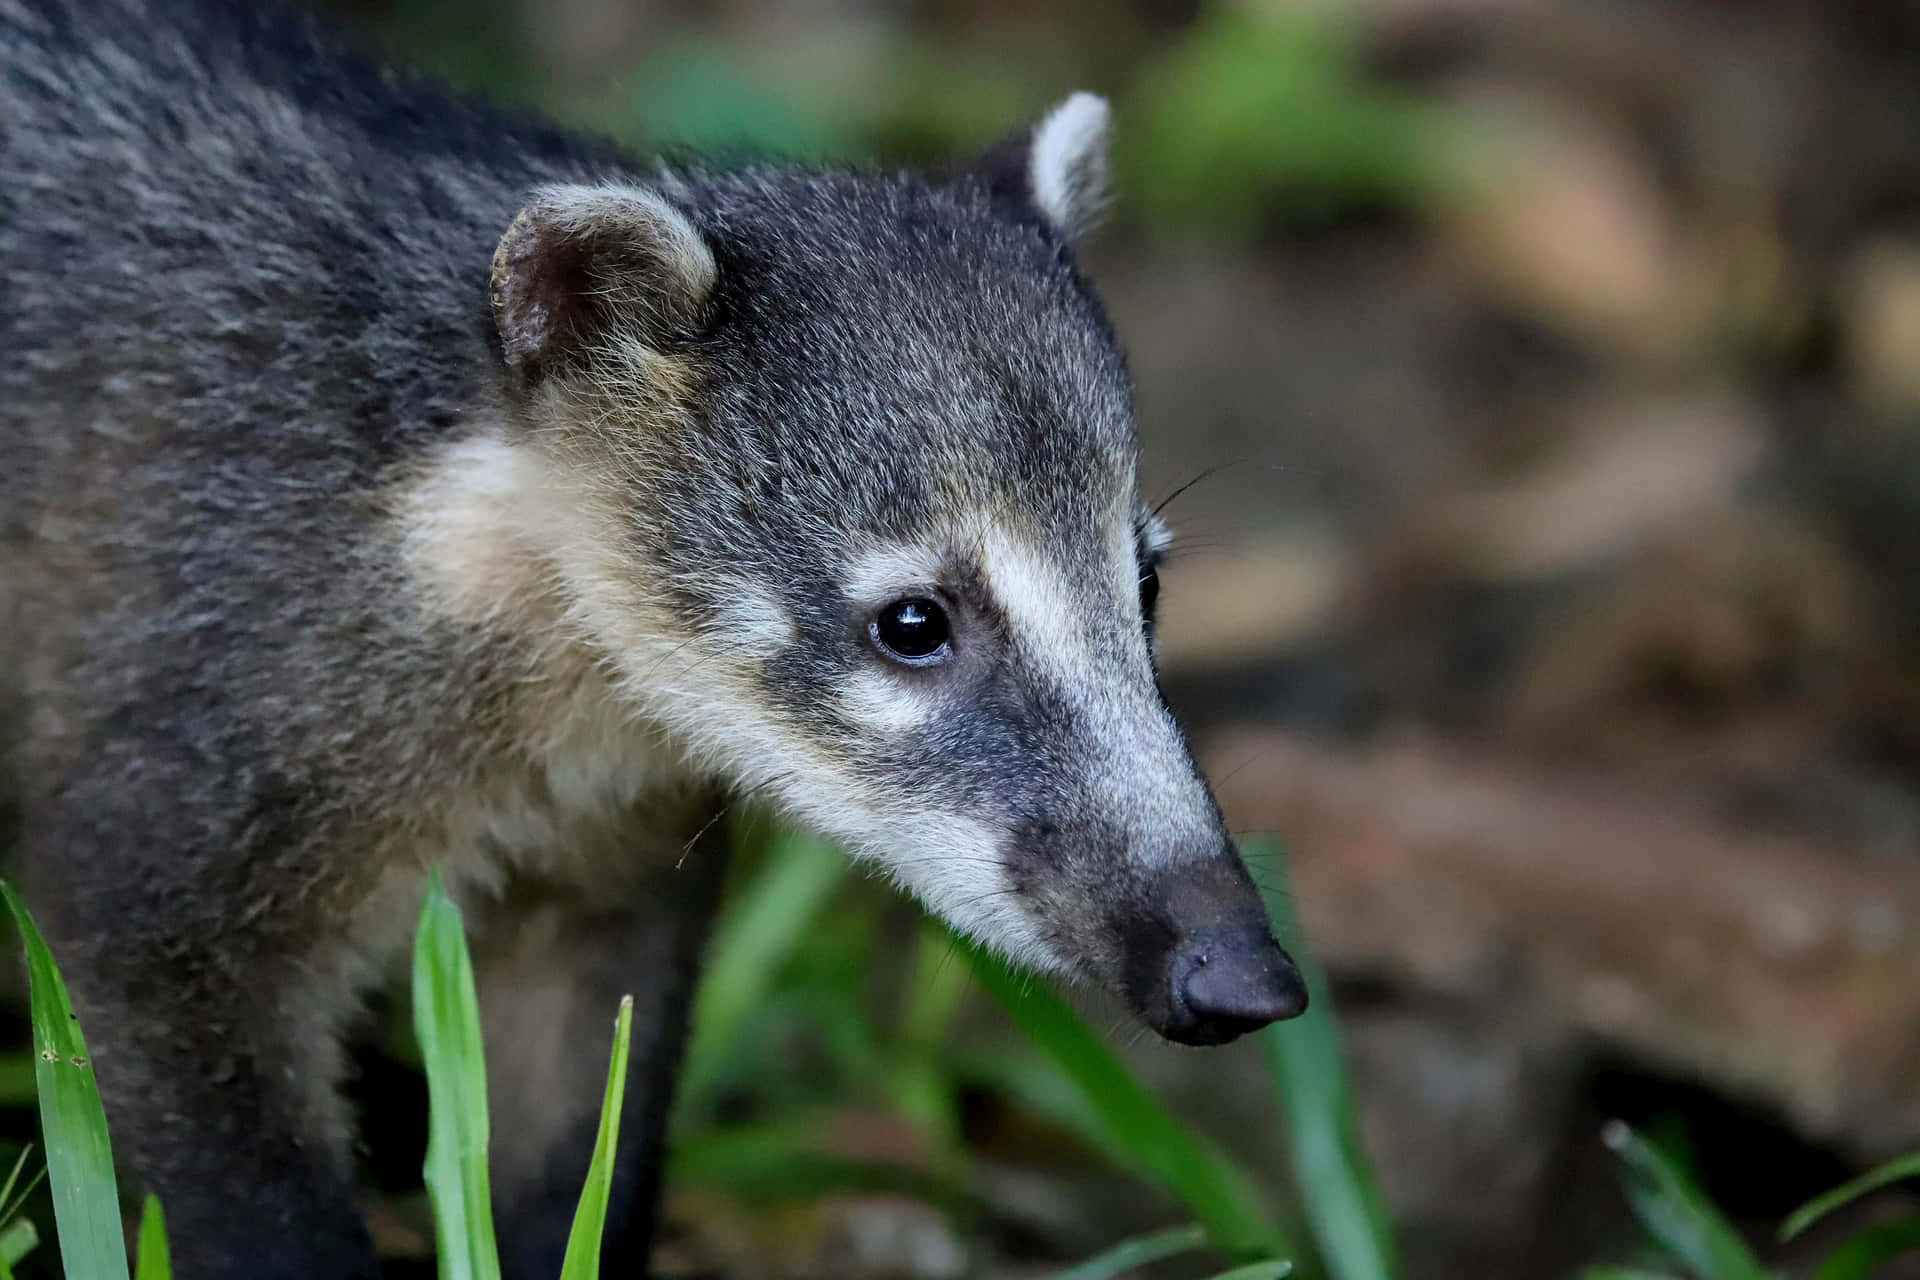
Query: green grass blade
x=16, y=1242
x=1859, y=1256
x=750, y=947
x=1623, y=1273
x=153, y=1261
x=1035, y=1086
x=13, y=1179
x=446, y=1016
x=1907, y=1166
x=1133, y=1123
x=1308, y=1067
x=590, y=1219
x=921, y=1087
x=13, y=1206
x=787, y=1160
x=1137, y=1252
x=1272, y=1269
x=86, y=1203
x=1678, y=1213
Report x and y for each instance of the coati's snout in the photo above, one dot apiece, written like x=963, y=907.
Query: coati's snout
x=1200, y=965
x=1177, y=931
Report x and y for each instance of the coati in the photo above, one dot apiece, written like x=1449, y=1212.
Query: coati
x=389, y=484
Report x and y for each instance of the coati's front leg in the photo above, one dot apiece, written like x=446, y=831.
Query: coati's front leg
x=214, y=1043
x=551, y=968
x=242, y=1136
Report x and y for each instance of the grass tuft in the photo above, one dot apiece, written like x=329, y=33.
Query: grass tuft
x=152, y=1261
x=1308, y=1067
x=1896, y=1170
x=73, y=1124
x=1133, y=1123
x=1678, y=1214
x=1137, y=1252
x=590, y=1218
x=446, y=1019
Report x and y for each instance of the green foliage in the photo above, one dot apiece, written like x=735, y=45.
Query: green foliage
x=1304, y=1057
x=789, y=1159
x=1270, y=1270
x=1691, y=1231
x=1137, y=1252
x=1130, y=1122
x=1076, y=1080
x=447, y=1024
x=1907, y=1166
x=86, y=1203
x=19, y=1237
x=1250, y=115
x=153, y=1261
x=763, y=979
x=1260, y=112
x=1860, y=1255
x=705, y=97
x=1678, y=1214
x=17, y=1241
x=752, y=944
x=590, y=1218
x=446, y=1018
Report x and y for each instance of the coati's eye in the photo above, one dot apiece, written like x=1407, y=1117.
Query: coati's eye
x=1149, y=590
x=914, y=631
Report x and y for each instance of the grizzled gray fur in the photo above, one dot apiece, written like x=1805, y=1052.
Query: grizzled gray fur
x=391, y=484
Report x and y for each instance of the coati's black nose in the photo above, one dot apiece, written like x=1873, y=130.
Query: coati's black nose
x=1225, y=983
x=1202, y=965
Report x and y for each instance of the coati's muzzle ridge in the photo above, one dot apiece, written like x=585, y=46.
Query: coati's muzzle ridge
x=877, y=553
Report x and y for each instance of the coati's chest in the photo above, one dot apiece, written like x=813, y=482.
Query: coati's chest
x=582, y=793
x=589, y=808
x=554, y=770
x=534, y=773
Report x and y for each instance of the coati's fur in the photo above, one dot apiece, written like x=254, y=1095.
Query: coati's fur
x=389, y=484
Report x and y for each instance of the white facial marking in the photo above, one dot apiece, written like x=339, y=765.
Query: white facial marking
x=953, y=865
x=883, y=702
x=950, y=862
x=752, y=621
x=1163, y=804
x=882, y=573
x=1040, y=608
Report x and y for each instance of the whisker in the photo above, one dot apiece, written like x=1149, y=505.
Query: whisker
x=1207, y=474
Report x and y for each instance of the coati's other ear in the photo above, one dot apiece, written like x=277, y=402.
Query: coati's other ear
x=1059, y=166
x=582, y=265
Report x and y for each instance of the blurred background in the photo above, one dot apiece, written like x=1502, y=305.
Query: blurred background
x=1535, y=385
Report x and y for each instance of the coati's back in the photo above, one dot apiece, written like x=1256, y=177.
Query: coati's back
x=243, y=286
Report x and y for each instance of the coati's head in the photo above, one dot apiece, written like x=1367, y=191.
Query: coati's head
x=848, y=468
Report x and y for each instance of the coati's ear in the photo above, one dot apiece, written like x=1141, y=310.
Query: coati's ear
x=1059, y=165
x=580, y=266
